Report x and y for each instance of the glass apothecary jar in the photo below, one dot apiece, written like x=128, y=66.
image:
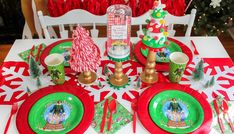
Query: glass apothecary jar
x=119, y=32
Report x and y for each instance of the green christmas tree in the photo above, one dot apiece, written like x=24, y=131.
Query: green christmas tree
x=106, y=70
x=28, y=90
x=207, y=84
x=212, y=82
x=138, y=82
x=198, y=73
x=35, y=70
x=99, y=84
x=213, y=17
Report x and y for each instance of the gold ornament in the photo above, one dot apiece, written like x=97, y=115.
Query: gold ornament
x=158, y=14
x=162, y=21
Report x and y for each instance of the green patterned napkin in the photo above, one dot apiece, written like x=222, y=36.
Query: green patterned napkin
x=25, y=54
x=119, y=118
x=216, y=127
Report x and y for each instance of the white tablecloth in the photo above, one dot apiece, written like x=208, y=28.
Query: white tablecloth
x=208, y=47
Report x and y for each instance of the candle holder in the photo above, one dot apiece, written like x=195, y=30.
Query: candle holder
x=118, y=43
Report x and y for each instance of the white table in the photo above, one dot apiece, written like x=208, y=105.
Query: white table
x=208, y=47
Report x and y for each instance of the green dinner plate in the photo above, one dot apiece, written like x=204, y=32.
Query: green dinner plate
x=57, y=113
x=63, y=48
x=176, y=111
x=164, y=55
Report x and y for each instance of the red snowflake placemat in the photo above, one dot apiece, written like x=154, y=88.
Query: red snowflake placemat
x=12, y=78
x=223, y=71
x=131, y=91
x=15, y=82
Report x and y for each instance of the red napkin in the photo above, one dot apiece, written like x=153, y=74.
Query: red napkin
x=175, y=7
x=76, y=4
x=178, y=7
x=91, y=6
x=52, y=8
x=68, y=6
x=104, y=5
x=85, y=4
x=112, y=2
x=133, y=5
x=60, y=7
x=142, y=7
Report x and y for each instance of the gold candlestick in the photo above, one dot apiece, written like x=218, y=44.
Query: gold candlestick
x=118, y=78
x=150, y=76
x=87, y=77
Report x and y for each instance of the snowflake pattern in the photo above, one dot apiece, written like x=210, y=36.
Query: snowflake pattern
x=130, y=90
x=223, y=75
x=16, y=80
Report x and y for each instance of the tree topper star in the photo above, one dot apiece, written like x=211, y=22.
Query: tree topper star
x=215, y=3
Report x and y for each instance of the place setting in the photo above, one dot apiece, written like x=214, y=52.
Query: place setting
x=153, y=83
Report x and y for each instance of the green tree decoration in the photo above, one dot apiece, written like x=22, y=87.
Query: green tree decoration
x=106, y=70
x=212, y=19
x=138, y=82
x=198, y=73
x=35, y=70
x=99, y=84
x=207, y=84
x=28, y=90
x=212, y=82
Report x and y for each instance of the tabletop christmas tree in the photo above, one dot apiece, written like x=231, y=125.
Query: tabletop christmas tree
x=85, y=56
x=35, y=71
x=198, y=73
x=154, y=39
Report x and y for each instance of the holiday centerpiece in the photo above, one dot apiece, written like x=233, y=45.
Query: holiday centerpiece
x=85, y=55
x=154, y=39
x=118, y=43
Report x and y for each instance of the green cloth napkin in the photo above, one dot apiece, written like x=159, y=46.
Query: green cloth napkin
x=120, y=117
x=227, y=129
x=24, y=55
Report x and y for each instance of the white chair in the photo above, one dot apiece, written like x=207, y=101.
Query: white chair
x=184, y=20
x=170, y=20
x=140, y=20
x=77, y=16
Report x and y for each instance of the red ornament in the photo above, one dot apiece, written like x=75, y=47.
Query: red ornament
x=141, y=36
x=167, y=43
x=156, y=37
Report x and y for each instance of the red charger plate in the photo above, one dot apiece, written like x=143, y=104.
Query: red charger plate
x=22, y=116
x=162, y=66
x=147, y=95
x=47, y=50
